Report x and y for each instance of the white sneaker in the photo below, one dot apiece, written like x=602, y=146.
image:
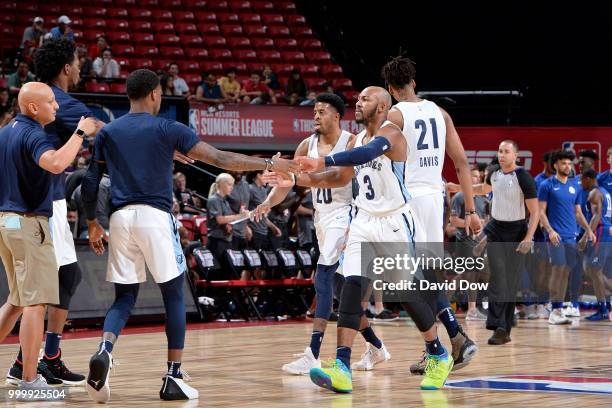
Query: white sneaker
x=571, y=311
x=542, y=312
x=175, y=389
x=531, y=312
x=371, y=357
x=557, y=317
x=302, y=365
x=475, y=315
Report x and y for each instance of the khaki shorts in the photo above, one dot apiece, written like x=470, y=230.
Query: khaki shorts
x=27, y=254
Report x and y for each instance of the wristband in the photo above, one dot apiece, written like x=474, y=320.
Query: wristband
x=470, y=212
x=80, y=133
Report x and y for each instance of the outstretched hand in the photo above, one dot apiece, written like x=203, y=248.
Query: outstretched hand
x=285, y=166
x=97, y=236
x=310, y=164
x=278, y=179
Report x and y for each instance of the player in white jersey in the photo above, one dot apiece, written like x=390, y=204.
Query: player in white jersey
x=377, y=160
x=430, y=133
x=332, y=217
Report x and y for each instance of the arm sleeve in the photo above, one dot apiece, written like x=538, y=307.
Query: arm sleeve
x=527, y=184
x=91, y=181
x=360, y=155
x=544, y=191
x=457, y=205
x=102, y=206
x=184, y=137
x=37, y=144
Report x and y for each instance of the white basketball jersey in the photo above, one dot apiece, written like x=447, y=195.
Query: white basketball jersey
x=381, y=183
x=425, y=132
x=329, y=199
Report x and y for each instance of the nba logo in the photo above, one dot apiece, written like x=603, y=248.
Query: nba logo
x=194, y=120
x=578, y=146
x=296, y=125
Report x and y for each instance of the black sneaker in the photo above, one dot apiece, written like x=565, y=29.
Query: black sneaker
x=15, y=374
x=419, y=367
x=97, y=384
x=463, y=349
x=60, y=371
x=174, y=388
x=385, y=316
x=499, y=337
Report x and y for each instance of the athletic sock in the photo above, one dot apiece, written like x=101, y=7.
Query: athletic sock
x=344, y=354
x=106, y=345
x=315, y=343
x=174, y=369
x=52, y=342
x=448, y=319
x=369, y=336
x=434, y=347
x=557, y=305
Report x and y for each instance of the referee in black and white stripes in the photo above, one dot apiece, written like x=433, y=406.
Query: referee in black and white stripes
x=509, y=236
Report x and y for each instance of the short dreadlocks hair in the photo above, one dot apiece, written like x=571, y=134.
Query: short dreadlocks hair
x=50, y=59
x=398, y=72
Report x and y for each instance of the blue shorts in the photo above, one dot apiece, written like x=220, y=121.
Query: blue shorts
x=564, y=254
x=596, y=256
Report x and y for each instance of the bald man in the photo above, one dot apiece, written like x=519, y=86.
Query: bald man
x=377, y=159
x=25, y=207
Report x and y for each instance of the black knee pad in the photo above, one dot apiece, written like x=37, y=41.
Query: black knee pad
x=69, y=278
x=338, y=285
x=353, y=292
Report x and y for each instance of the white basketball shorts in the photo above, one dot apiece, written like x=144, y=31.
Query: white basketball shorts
x=331, y=228
x=63, y=241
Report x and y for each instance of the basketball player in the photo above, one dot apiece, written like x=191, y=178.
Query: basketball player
x=58, y=66
x=138, y=149
x=559, y=212
x=429, y=133
x=332, y=218
x=382, y=215
x=599, y=215
x=604, y=179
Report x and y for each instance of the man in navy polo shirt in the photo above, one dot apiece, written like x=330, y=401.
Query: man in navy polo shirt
x=559, y=212
x=26, y=195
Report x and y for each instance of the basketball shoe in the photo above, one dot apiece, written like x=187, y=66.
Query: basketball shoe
x=337, y=377
x=371, y=357
x=303, y=364
x=97, y=384
x=437, y=370
x=175, y=388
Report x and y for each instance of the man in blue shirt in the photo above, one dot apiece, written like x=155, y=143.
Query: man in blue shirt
x=137, y=149
x=604, y=179
x=559, y=212
x=63, y=29
x=25, y=207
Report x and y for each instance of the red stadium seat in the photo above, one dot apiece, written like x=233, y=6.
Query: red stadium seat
x=149, y=51
x=263, y=43
x=249, y=18
x=205, y=17
x=236, y=43
x=262, y=6
x=117, y=13
x=286, y=44
x=194, y=4
x=231, y=30
x=315, y=83
x=126, y=3
x=116, y=25
x=123, y=50
x=192, y=80
x=167, y=39
x=342, y=84
x=143, y=63
x=191, y=41
x=162, y=15
x=217, y=5
x=71, y=10
x=245, y=55
x=3, y=82
x=161, y=64
x=331, y=71
x=95, y=87
x=221, y=55
x=140, y=14
x=309, y=70
x=94, y=11
x=172, y=52
x=351, y=96
x=48, y=8
x=294, y=57
x=196, y=53
x=255, y=66
x=209, y=29
x=171, y=4
x=184, y=16
x=188, y=66
x=143, y=39
x=228, y=18
x=287, y=7
x=124, y=63
x=215, y=42
x=148, y=3
x=278, y=31
x=163, y=27
x=118, y=37
x=186, y=28
x=93, y=23
x=273, y=19
x=213, y=67
x=319, y=57
x=255, y=31
x=140, y=26
x=311, y=44
x=269, y=56
x=301, y=32
x=295, y=20
x=240, y=67
x=92, y=35
x=78, y=35
x=282, y=69
x=240, y=5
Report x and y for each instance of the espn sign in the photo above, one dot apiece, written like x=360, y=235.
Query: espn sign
x=525, y=157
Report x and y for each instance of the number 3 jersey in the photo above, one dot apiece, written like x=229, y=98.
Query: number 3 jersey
x=425, y=132
x=382, y=187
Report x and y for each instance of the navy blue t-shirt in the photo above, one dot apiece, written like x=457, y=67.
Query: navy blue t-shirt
x=25, y=187
x=138, y=149
x=66, y=120
x=561, y=201
x=605, y=180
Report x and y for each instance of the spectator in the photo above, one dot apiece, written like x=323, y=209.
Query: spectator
x=180, y=86
x=167, y=85
x=96, y=50
x=86, y=62
x=279, y=216
x=209, y=91
x=189, y=204
x=270, y=78
x=296, y=88
x=63, y=29
x=259, y=193
x=330, y=89
x=33, y=35
x=20, y=77
x=238, y=201
x=230, y=86
x=253, y=89
x=106, y=66
x=5, y=101
x=310, y=99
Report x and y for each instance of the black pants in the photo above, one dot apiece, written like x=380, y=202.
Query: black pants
x=260, y=242
x=218, y=247
x=505, y=266
x=239, y=243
